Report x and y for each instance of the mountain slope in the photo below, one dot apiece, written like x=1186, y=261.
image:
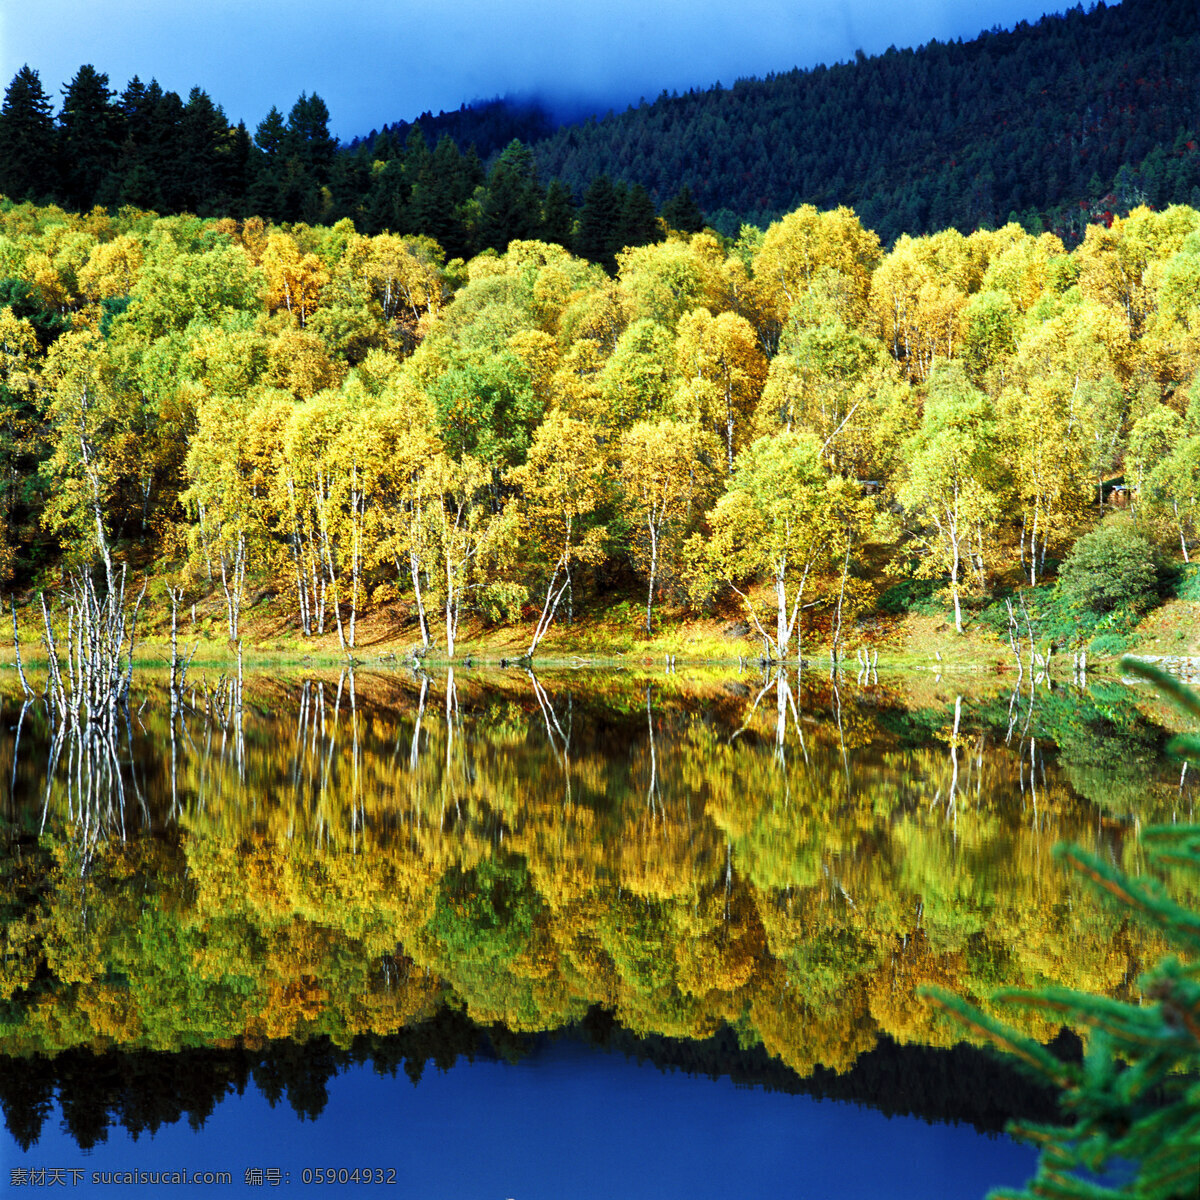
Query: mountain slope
x=1098, y=108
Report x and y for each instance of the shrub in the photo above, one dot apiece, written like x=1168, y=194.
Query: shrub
x=1187, y=582
x=911, y=595
x=1112, y=567
x=1108, y=645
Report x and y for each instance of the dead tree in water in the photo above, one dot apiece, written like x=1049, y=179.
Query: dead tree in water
x=89, y=676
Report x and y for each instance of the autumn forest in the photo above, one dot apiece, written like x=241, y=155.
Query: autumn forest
x=794, y=416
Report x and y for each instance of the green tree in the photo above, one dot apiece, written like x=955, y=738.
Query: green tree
x=682, y=212
x=486, y=407
x=28, y=166
x=513, y=199
x=204, y=146
x=1174, y=488
x=782, y=516
x=89, y=135
x=639, y=226
x=558, y=215
x=599, y=232
x=1111, y=567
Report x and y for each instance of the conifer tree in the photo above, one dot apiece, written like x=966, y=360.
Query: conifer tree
x=599, y=223
x=26, y=139
x=558, y=219
x=90, y=124
x=513, y=200
x=682, y=212
x=639, y=226
x=1135, y=1100
x=204, y=140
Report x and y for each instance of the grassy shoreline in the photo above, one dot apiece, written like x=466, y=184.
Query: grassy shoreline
x=602, y=637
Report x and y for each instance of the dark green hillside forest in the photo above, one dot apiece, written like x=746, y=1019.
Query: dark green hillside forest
x=150, y=149
x=1104, y=102
x=1058, y=124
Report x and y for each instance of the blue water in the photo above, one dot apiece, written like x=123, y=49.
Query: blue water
x=569, y=1122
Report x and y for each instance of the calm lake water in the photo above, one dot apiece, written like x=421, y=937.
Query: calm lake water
x=574, y=935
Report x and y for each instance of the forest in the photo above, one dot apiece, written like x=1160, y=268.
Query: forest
x=791, y=422
x=914, y=140
x=918, y=140
x=151, y=149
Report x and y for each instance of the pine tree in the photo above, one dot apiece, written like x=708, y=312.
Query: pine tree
x=512, y=203
x=558, y=218
x=204, y=141
x=309, y=141
x=27, y=151
x=270, y=178
x=444, y=184
x=238, y=169
x=1136, y=1097
x=682, y=212
x=161, y=151
x=599, y=223
x=133, y=179
x=639, y=226
x=90, y=124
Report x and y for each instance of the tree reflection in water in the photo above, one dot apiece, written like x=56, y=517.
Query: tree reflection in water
x=349, y=856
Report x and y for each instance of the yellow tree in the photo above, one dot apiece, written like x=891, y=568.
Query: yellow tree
x=954, y=478
x=325, y=443
x=398, y=451
x=917, y=301
x=1059, y=416
x=827, y=381
x=662, y=281
x=85, y=400
x=298, y=362
x=783, y=515
x=1023, y=269
x=228, y=493
x=723, y=370
x=808, y=247
x=667, y=473
x=112, y=268
x=1117, y=263
x=638, y=379
x=18, y=417
x=1174, y=487
x=294, y=280
x=561, y=485
x=1048, y=440
x=402, y=275
x=465, y=537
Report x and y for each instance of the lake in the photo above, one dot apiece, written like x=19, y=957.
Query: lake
x=491, y=934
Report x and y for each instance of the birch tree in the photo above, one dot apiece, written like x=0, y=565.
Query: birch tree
x=953, y=489
x=667, y=472
x=780, y=517
x=562, y=484
x=464, y=537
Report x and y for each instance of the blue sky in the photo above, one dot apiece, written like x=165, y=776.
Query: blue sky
x=375, y=61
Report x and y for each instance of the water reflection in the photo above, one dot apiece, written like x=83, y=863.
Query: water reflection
x=349, y=856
